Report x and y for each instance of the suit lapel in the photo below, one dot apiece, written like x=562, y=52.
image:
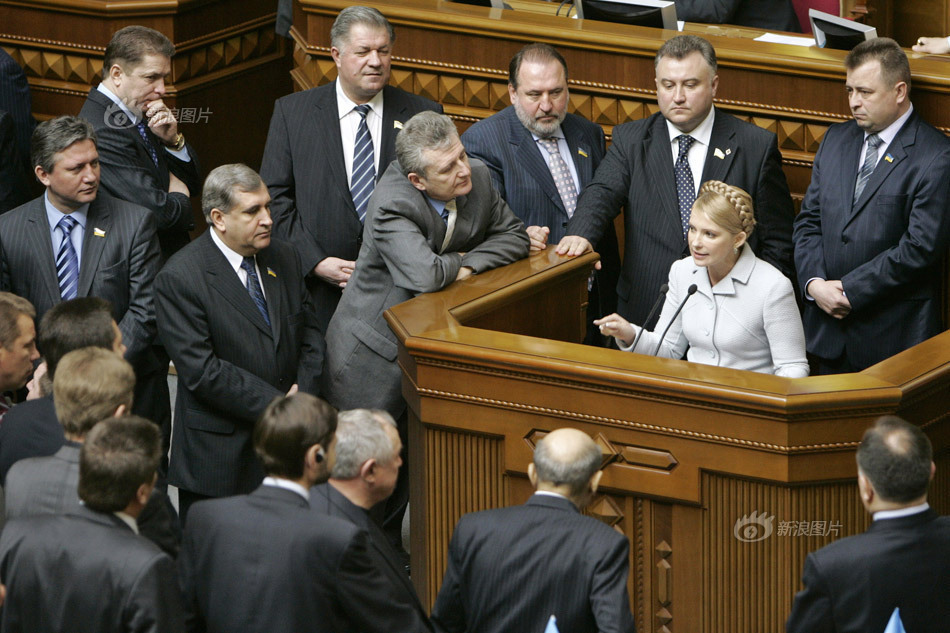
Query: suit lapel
x=394, y=111
x=98, y=218
x=659, y=162
x=850, y=157
x=38, y=234
x=530, y=157
x=226, y=283
x=723, y=139
x=895, y=152
x=114, y=117
x=272, y=293
x=327, y=127
x=580, y=154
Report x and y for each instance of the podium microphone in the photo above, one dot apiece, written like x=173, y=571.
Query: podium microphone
x=656, y=306
x=689, y=293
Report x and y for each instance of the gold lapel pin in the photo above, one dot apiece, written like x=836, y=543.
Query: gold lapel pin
x=271, y=272
x=718, y=153
x=98, y=232
x=397, y=125
x=582, y=152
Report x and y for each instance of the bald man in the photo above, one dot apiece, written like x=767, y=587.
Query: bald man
x=511, y=569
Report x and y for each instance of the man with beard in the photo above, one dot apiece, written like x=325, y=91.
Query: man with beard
x=541, y=158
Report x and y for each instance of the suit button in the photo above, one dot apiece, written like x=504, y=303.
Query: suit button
x=564, y=225
x=280, y=381
x=845, y=239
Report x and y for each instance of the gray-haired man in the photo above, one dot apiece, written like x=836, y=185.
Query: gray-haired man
x=236, y=318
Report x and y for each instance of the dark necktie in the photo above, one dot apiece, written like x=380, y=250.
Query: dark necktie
x=685, y=188
x=254, y=288
x=67, y=262
x=363, y=180
x=870, y=162
x=151, y=148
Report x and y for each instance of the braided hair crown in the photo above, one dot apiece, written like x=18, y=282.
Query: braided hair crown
x=738, y=216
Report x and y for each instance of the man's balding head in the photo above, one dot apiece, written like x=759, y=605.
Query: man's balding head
x=567, y=461
x=896, y=459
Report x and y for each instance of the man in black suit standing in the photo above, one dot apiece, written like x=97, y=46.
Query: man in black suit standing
x=283, y=568
x=901, y=564
x=107, y=578
x=75, y=241
x=363, y=477
x=14, y=182
x=144, y=157
x=654, y=169
x=512, y=569
x=775, y=15
x=874, y=226
x=327, y=147
x=32, y=429
x=236, y=317
x=541, y=157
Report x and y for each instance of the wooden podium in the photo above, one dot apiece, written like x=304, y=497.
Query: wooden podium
x=723, y=480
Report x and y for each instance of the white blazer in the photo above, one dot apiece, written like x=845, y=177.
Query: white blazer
x=749, y=320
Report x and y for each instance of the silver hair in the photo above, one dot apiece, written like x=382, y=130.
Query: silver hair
x=575, y=473
x=222, y=182
x=682, y=45
x=360, y=436
x=55, y=135
x=425, y=131
x=350, y=17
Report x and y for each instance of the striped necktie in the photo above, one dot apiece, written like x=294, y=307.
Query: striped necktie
x=363, y=180
x=870, y=162
x=67, y=262
x=254, y=288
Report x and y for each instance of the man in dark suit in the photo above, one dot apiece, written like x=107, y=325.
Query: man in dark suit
x=900, y=567
x=874, y=223
x=17, y=346
x=364, y=475
x=513, y=569
x=654, y=169
x=283, y=568
x=107, y=579
x=14, y=183
x=327, y=147
x=236, y=317
x=92, y=384
x=31, y=429
x=775, y=15
x=541, y=157
x=15, y=99
x=77, y=242
x=144, y=157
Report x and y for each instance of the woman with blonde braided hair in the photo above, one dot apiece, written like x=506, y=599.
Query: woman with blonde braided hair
x=744, y=314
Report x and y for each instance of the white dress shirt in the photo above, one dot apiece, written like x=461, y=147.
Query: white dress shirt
x=565, y=151
x=350, y=123
x=696, y=156
x=749, y=320
x=235, y=259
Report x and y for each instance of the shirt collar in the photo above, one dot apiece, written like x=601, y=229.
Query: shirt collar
x=286, y=484
x=887, y=134
x=128, y=520
x=54, y=215
x=701, y=133
x=116, y=100
x=903, y=512
x=234, y=258
x=556, y=134
x=346, y=105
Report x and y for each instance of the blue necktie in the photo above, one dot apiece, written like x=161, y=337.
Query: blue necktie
x=67, y=262
x=870, y=162
x=254, y=288
x=363, y=180
x=685, y=189
x=151, y=148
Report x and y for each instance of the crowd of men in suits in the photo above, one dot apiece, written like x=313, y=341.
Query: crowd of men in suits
x=367, y=196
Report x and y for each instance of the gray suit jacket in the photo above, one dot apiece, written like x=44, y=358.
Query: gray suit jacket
x=107, y=579
x=402, y=257
x=119, y=261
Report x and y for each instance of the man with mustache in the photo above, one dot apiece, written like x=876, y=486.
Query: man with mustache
x=541, y=157
x=236, y=318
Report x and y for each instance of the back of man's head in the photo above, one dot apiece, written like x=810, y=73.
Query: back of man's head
x=896, y=457
x=361, y=436
x=74, y=324
x=288, y=428
x=90, y=385
x=567, y=458
x=118, y=456
x=129, y=46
